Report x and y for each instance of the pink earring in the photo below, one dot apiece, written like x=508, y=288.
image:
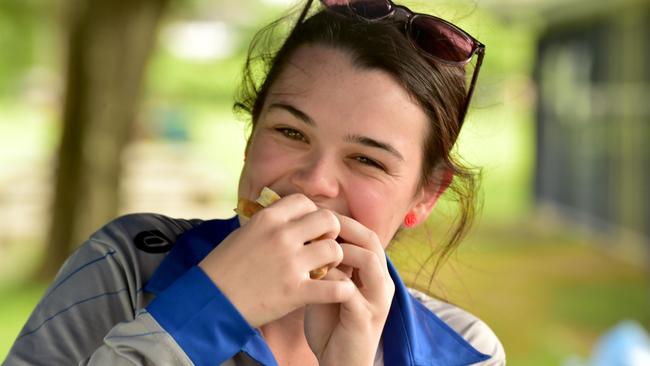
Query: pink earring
x=410, y=220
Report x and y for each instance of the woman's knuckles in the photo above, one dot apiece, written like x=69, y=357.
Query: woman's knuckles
x=337, y=252
x=282, y=238
x=360, y=258
x=328, y=251
x=330, y=222
x=263, y=217
x=300, y=201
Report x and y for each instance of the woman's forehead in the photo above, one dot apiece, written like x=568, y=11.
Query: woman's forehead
x=320, y=75
x=325, y=85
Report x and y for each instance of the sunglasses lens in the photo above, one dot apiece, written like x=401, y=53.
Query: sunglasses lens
x=370, y=9
x=440, y=39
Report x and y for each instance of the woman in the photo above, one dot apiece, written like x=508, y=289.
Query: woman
x=353, y=126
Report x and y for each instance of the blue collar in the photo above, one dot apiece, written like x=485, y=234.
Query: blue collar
x=413, y=335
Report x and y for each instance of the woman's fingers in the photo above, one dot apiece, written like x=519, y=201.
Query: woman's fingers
x=355, y=233
x=338, y=286
x=325, y=252
x=262, y=266
x=368, y=274
x=286, y=209
x=335, y=287
x=300, y=219
x=319, y=224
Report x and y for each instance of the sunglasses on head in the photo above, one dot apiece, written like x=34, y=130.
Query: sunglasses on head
x=436, y=38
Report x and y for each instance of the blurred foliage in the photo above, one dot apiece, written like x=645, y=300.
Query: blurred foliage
x=17, y=32
x=27, y=39
x=199, y=84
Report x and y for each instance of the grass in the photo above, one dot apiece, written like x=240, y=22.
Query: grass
x=548, y=294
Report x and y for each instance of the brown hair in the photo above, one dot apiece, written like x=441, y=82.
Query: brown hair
x=439, y=89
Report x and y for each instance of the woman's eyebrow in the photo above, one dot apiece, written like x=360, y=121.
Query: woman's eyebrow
x=357, y=139
x=370, y=142
x=294, y=111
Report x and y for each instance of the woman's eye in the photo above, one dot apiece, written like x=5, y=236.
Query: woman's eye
x=367, y=161
x=292, y=134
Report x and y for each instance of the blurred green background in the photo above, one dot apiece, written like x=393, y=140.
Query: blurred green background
x=559, y=126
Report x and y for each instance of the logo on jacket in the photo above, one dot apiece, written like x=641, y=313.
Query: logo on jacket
x=152, y=241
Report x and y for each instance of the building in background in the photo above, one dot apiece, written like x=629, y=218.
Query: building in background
x=593, y=115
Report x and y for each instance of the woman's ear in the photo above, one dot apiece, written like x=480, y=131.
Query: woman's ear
x=430, y=193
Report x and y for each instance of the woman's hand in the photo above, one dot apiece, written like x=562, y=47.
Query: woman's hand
x=263, y=267
x=348, y=333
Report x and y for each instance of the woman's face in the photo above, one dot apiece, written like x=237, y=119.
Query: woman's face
x=348, y=138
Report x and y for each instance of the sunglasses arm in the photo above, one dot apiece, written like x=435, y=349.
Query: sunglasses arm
x=481, y=52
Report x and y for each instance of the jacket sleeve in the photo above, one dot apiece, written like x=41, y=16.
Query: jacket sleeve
x=138, y=342
x=201, y=328
x=201, y=320
x=94, y=312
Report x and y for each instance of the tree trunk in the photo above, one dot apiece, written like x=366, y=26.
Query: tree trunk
x=109, y=42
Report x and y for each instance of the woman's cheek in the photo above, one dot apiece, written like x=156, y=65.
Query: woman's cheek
x=372, y=208
x=264, y=164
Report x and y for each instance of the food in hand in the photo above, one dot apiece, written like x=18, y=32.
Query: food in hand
x=247, y=208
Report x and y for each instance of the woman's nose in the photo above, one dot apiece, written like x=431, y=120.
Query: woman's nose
x=316, y=177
